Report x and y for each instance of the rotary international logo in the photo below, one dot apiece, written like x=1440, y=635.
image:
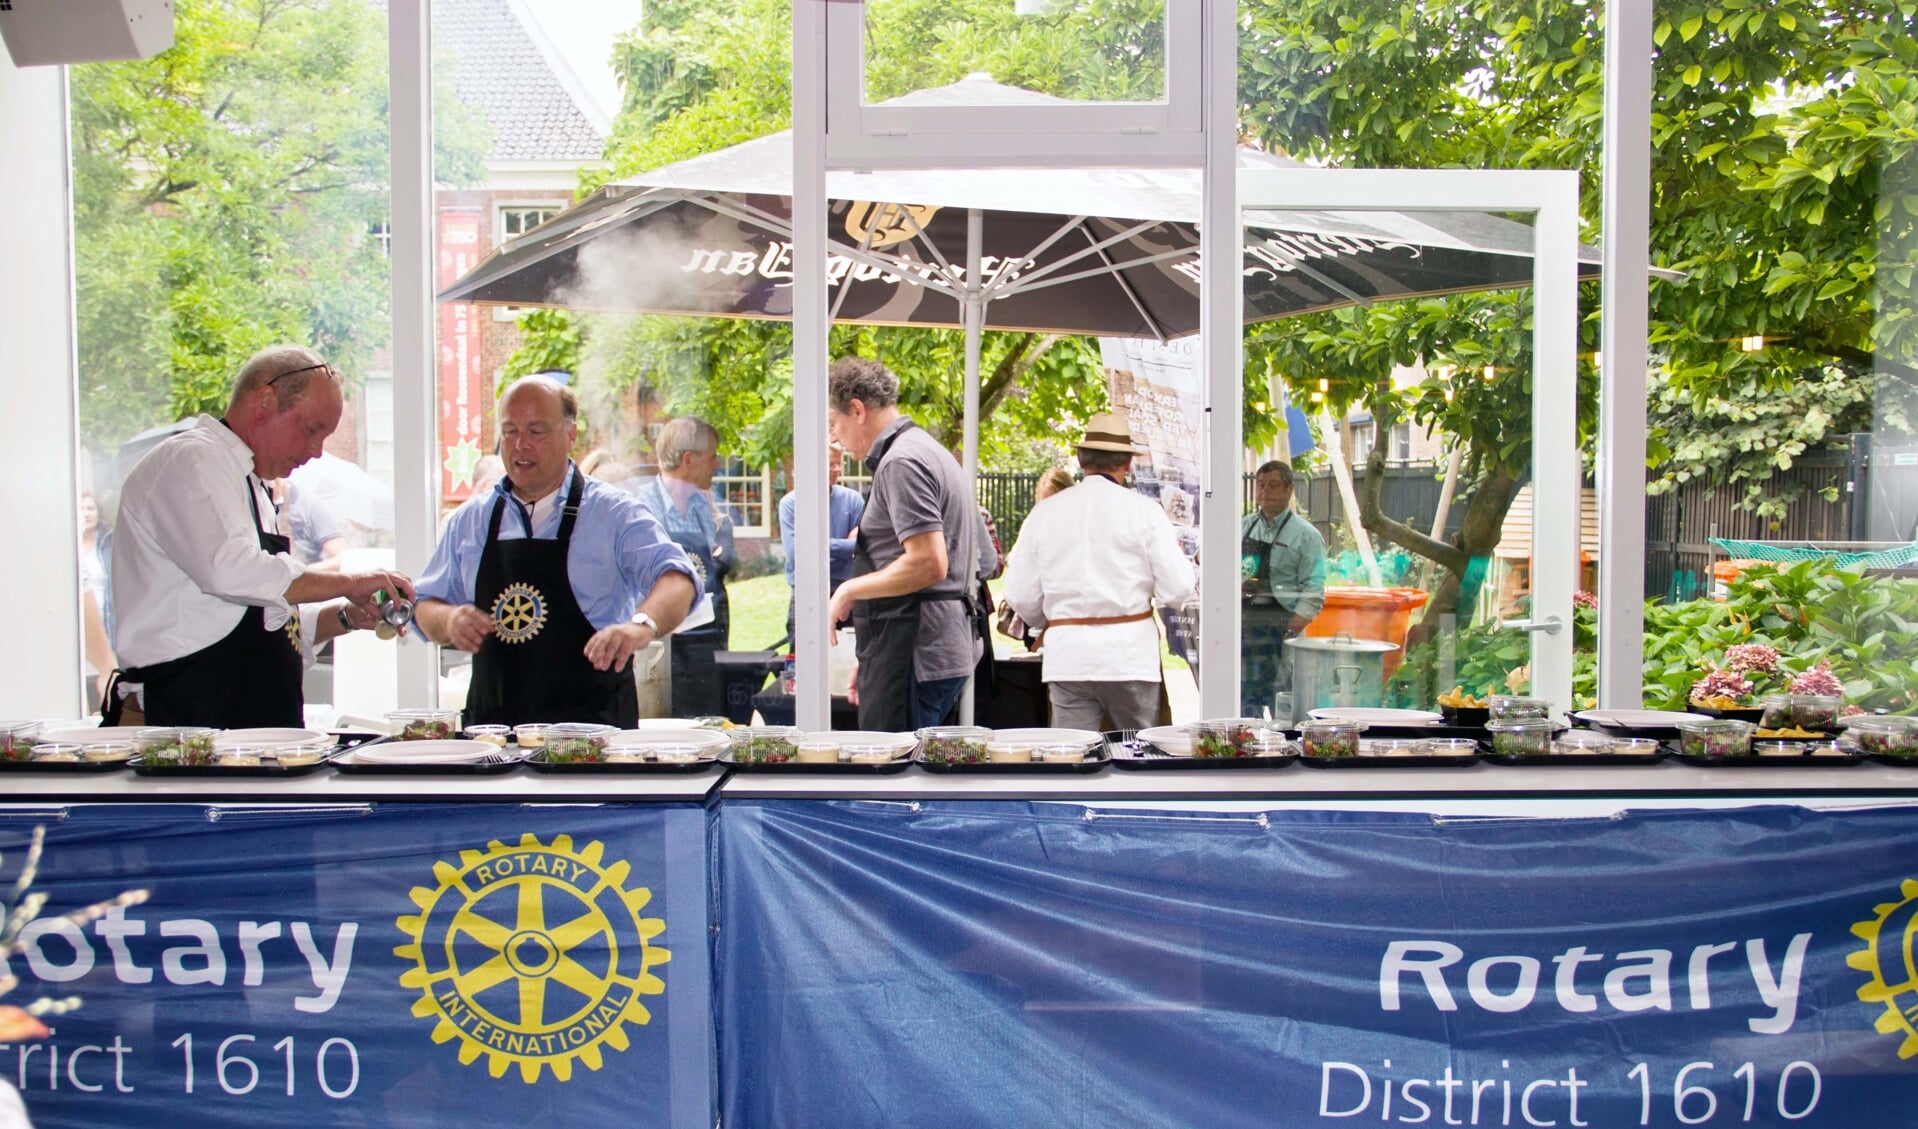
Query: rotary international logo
x=1888, y=956
x=533, y=955
x=518, y=613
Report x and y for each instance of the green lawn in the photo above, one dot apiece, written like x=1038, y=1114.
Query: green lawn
x=759, y=611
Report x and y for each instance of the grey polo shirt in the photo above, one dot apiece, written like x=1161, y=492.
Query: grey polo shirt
x=919, y=488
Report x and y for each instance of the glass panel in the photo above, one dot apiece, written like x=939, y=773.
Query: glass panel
x=229, y=194
x=1785, y=463
x=1380, y=573
x=1079, y=50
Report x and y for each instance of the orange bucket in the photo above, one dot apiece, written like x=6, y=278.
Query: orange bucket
x=1384, y=614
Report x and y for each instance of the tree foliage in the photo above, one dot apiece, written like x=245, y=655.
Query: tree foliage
x=224, y=191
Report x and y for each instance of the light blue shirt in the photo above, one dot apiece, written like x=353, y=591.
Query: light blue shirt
x=843, y=507
x=618, y=551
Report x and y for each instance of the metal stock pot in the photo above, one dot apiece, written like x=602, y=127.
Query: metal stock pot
x=1337, y=672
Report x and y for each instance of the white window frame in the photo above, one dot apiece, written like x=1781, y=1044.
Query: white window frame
x=769, y=505
x=1551, y=198
x=500, y=238
x=859, y=135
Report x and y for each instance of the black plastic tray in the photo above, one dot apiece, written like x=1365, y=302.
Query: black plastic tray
x=232, y=772
x=537, y=762
x=1096, y=759
x=1578, y=760
x=1466, y=717
x=82, y=766
x=1755, y=760
x=1413, y=760
x=839, y=768
x=1128, y=752
x=1745, y=713
x=1896, y=760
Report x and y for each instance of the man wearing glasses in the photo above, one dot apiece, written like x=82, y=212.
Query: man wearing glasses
x=217, y=620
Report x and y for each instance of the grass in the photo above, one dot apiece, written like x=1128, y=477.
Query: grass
x=759, y=611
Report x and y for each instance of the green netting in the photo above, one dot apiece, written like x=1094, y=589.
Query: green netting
x=1899, y=557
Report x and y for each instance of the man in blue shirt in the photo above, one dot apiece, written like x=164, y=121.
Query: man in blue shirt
x=540, y=578
x=843, y=507
x=680, y=499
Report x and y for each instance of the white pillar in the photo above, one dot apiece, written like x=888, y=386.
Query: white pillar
x=1221, y=328
x=39, y=508
x=812, y=705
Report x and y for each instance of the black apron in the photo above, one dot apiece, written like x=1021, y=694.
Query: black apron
x=1264, y=609
x=886, y=633
x=252, y=678
x=533, y=667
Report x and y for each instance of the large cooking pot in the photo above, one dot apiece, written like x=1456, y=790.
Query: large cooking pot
x=1337, y=672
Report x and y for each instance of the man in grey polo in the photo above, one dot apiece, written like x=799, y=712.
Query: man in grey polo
x=909, y=596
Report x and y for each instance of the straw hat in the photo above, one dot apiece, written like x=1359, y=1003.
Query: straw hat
x=1108, y=431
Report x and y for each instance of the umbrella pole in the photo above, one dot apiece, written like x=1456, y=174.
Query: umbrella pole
x=974, y=309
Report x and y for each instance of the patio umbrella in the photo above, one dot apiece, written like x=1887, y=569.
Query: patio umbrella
x=1113, y=252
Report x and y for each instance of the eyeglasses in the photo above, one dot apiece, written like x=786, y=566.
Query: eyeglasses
x=322, y=367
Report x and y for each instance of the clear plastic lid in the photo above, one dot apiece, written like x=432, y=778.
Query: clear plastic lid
x=1331, y=728
x=1583, y=741
x=1519, y=725
x=953, y=733
x=56, y=751
x=1714, y=725
x=1516, y=705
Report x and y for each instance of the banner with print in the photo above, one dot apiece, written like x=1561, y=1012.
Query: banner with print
x=393, y=965
x=1007, y=964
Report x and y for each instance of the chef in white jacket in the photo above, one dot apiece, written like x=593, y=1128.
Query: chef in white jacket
x=1089, y=564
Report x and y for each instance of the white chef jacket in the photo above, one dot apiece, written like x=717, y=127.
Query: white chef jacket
x=1098, y=549
x=187, y=560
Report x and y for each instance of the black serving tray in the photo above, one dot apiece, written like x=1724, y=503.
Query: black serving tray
x=1578, y=760
x=1134, y=755
x=81, y=766
x=838, y=768
x=273, y=771
x=1466, y=717
x=1412, y=760
x=1754, y=760
x=1896, y=760
x=538, y=763
x=1748, y=713
x=499, y=764
x=1096, y=759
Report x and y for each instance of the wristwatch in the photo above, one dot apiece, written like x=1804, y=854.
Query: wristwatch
x=648, y=621
x=345, y=623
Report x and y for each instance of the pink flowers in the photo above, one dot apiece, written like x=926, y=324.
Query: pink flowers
x=1752, y=658
x=1819, y=680
x=1584, y=599
x=1723, y=684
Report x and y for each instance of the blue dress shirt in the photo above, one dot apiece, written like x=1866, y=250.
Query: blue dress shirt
x=843, y=507
x=618, y=551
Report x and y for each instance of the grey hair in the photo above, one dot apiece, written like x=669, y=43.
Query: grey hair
x=272, y=365
x=861, y=379
x=680, y=436
x=1282, y=469
x=568, y=403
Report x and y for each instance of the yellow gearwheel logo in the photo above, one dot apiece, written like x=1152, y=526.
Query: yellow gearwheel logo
x=532, y=955
x=518, y=613
x=1887, y=955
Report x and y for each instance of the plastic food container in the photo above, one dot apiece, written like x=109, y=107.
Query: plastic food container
x=815, y=751
x=1635, y=746
x=867, y=753
x=1000, y=753
x=1510, y=706
x=1449, y=747
x=1582, y=742
x=241, y=756
x=765, y=744
x=1775, y=711
x=1715, y=737
x=1062, y=753
x=1520, y=736
x=1330, y=738
x=955, y=744
x=105, y=751
x=1887, y=736
x=576, y=743
x=187, y=745
x=1779, y=748
x=56, y=752
x=425, y=725
x=496, y=735
x=1271, y=743
x=1815, y=711
x=1227, y=737
x=531, y=736
x=1392, y=747
x=663, y=754
x=17, y=740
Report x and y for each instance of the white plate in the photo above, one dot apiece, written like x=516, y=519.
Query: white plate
x=228, y=738
x=425, y=752
x=1377, y=716
x=1636, y=719
x=1084, y=737
x=843, y=737
x=649, y=737
x=1174, y=740
x=90, y=734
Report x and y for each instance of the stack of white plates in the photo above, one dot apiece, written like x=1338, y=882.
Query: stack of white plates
x=424, y=752
x=1035, y=737
x=272, y=739
x=1374, y=716
x=1173, y=740
x=705, y=742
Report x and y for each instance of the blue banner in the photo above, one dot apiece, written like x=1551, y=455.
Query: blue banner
x=397, y=965
x=956, y=964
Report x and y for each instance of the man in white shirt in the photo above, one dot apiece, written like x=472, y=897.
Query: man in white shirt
x=1088, y=565
x=216, y=618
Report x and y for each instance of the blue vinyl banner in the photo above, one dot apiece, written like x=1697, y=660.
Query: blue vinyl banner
x=968, y=964
x=392, y=965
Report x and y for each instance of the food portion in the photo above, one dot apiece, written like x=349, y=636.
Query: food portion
x=17, y=740
x=425, y=725
x=955, y=744
x=576, y=744
x=1231, y=737
x=765, y=744
x=1715, y=738
x=1456, y=698
x=174, y=746
x=1329, y=738
x=1520, y=736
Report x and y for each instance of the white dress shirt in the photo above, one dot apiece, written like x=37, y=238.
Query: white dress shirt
x=1097, y=550
x=187, y=560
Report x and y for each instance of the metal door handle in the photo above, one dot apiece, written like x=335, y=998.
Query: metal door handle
x=1551, y=625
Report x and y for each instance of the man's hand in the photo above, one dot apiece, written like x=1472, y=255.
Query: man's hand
x=611, y=647
x=361, y=587
x=852, y=689
x=1296, y=624
x=466, y=628
x=837, y=612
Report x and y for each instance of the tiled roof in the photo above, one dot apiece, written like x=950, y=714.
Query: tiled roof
x=504, y=72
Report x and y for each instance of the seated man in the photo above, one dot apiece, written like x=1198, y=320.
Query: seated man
x=549, y=616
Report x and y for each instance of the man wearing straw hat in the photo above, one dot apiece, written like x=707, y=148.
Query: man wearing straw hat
x=1088, y=565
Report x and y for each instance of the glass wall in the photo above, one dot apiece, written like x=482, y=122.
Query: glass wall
x=230, y=194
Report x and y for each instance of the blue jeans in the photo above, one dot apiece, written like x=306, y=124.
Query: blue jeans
x=932, y=700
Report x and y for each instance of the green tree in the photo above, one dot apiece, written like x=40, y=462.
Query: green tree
x=224, y=195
